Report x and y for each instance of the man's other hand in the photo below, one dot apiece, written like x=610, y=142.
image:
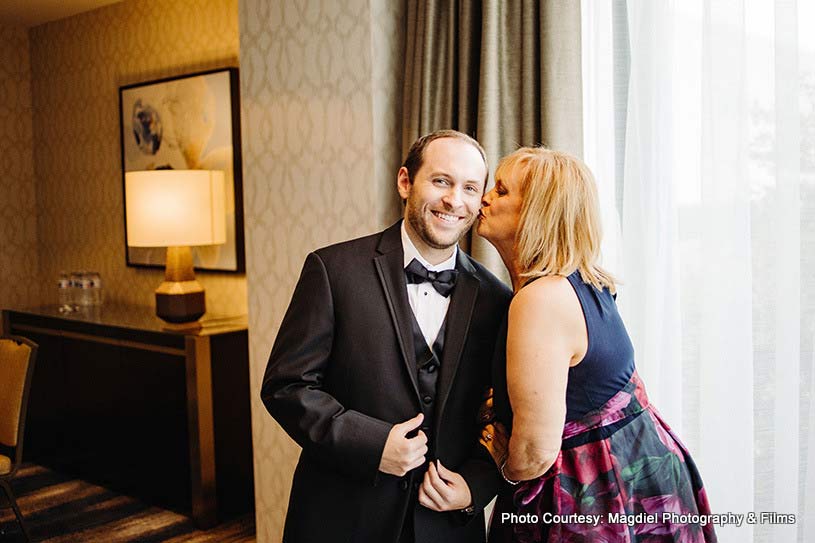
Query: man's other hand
x=444, y=490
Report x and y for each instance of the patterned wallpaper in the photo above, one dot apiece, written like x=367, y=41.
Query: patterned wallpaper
x=77, y=66
x=19, y=283
x=319, y=84
x=387, y=74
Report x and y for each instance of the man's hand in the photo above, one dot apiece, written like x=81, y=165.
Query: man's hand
x=402, y=454
x=444, y=490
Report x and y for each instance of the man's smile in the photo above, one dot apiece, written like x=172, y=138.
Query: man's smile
x=446, y=217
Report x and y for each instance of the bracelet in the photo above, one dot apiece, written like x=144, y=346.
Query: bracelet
x=510, y=481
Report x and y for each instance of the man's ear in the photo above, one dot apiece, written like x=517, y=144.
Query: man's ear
x=403, y=183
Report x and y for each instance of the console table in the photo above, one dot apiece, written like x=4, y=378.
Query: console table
x=163, y=414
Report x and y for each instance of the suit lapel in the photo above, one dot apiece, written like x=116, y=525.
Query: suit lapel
x=459, y=315
x=390, y=269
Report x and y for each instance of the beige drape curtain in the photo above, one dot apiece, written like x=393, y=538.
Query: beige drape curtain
x=507, y=72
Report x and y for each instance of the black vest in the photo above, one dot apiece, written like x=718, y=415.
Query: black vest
x=428, y=362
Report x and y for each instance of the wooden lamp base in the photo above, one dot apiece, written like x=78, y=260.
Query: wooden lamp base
x=180, y=298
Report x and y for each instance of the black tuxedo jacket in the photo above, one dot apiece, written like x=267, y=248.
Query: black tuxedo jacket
x=343, y=371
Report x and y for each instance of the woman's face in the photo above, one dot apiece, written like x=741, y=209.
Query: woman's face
x=501, y=209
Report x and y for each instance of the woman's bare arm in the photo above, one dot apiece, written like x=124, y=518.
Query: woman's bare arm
x=546, y=335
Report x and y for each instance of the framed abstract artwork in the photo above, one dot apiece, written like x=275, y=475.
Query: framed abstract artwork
x=187, y=122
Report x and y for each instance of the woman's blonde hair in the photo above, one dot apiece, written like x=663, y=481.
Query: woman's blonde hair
x=559, y=230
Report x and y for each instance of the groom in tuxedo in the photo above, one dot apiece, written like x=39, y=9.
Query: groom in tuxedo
x=380, y=364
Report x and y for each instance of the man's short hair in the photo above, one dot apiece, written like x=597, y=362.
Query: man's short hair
x=415, y=156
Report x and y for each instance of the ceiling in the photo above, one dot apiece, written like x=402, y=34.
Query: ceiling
x=28, y=13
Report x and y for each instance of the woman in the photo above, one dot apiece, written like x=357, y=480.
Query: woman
x=584, y=438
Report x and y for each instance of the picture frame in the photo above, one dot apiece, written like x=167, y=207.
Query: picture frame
x=189, y=121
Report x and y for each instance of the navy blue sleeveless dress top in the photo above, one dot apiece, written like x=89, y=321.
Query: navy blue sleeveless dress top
x=605, y=369
x=609, y=361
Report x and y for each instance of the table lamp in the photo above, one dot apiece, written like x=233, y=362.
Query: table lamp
x=176, y=209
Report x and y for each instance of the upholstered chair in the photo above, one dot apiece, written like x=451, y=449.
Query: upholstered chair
x=17, y=356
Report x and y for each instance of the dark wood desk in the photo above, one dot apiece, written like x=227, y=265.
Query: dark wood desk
x=161, y=414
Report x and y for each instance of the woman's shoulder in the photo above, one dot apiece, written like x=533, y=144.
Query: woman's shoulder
x=546, y=315
x=544, y=286
x=549, y=294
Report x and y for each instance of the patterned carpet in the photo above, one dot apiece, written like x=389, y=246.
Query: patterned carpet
x=60, y=509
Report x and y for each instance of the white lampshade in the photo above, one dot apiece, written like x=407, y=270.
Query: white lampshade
x=169, y=208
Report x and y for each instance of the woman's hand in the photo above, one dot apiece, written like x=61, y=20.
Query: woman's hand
x=486, y=413
x=495, y=438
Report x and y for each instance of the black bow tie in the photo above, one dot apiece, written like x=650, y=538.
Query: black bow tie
x=443, y=281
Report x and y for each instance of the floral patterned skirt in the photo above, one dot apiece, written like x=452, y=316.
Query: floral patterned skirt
x=622, y=476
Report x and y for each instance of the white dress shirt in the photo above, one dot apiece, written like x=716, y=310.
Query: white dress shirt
x=429, y=307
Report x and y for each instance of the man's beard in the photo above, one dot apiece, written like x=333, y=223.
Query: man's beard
x=418, y=223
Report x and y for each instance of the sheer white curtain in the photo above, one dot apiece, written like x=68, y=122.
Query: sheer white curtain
x=717, y=245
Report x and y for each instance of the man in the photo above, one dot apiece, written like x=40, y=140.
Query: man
x=379, y=367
